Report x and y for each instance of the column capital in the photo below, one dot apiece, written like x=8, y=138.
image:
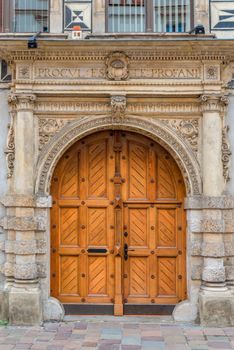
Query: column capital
x=213, y=103
x=21, y=101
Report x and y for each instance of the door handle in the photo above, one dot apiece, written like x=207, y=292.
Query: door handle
x=126, y=250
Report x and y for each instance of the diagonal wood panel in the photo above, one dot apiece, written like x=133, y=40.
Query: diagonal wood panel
x=166, y=188
x=166, y=220
x=138, y=227
x=97, y=226
x=70, y=183
x=69, y=275
x=167, y=276
x=138, y=276
x=97, y=275
x=97, y=167
x=137, y=171
x=69, y=226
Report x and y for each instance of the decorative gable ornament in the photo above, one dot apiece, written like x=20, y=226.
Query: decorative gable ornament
x=117, y=66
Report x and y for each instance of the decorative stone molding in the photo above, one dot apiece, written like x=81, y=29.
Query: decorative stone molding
x=212, y=226
x=118, y=106
x=22, y=101
x=19, y=223
x=214, y=103
x=213, y=249
x=206, y=202
x=25, y=271
x=117, y=66
x=48, y=127
x=18, y=200
x=10, y=148
x=153, y=128
x=226, y=153
x=187, y=128
x=25, y=247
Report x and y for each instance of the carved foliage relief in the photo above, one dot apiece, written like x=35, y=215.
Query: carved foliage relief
x=226, y=153
x=48, y=127
x=186, y=128
x=10, y=148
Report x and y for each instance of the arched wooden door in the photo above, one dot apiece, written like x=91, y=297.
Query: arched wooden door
x=118, y=226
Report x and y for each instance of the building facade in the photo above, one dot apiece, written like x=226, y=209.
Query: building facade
x=117, y=186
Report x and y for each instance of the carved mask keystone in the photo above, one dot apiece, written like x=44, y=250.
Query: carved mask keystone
x=117, y=66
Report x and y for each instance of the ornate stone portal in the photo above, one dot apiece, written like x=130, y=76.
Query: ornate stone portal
x=62, y=94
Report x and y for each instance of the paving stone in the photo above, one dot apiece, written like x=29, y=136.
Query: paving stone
x=6, y=346
x=219, y=345
x=152, y=345
x=23, y=346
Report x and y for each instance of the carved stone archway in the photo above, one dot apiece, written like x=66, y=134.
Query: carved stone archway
x=154, y=129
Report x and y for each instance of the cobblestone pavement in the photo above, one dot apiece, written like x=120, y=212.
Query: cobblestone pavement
x=109, y=333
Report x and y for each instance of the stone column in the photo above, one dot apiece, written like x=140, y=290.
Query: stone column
x=20, y=223
x=214, y=301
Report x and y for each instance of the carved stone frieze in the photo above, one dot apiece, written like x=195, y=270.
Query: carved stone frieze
x=48, y=127
x=187, y=128
x=10, y=148
x=117, y=66
x=146, y=108
x=71, y=107
x=152, y=128
x=226, y=153
x=118, y=107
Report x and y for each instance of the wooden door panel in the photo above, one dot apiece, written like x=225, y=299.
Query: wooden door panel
x=166, y=227
x=165, y=181
x=138, y=223
x=97, y=226
x=138, y=277
x=69, y=275
x=69, y=226
x=69, y=185
x=97, y=169
x=137, y=170
x=167, y=276
x=97, y=275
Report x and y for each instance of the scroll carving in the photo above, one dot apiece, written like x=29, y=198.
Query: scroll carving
x=226, y=153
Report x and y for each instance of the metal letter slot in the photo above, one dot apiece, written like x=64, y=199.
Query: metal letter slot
x=97, y=250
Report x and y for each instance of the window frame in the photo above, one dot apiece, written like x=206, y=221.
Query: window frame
x=8, y=15
x=149, y=23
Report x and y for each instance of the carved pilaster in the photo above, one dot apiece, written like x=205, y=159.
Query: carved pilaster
x=226, y=153
x=118, y=107
x=213, y=103
x=22, y=102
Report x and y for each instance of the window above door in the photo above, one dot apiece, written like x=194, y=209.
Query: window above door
x=140, y=16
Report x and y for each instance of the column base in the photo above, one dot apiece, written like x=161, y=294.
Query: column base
x=216, y=308
x=25, y=306
x=4, y=307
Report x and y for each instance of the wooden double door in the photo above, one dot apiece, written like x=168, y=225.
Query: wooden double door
x=117, y=224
